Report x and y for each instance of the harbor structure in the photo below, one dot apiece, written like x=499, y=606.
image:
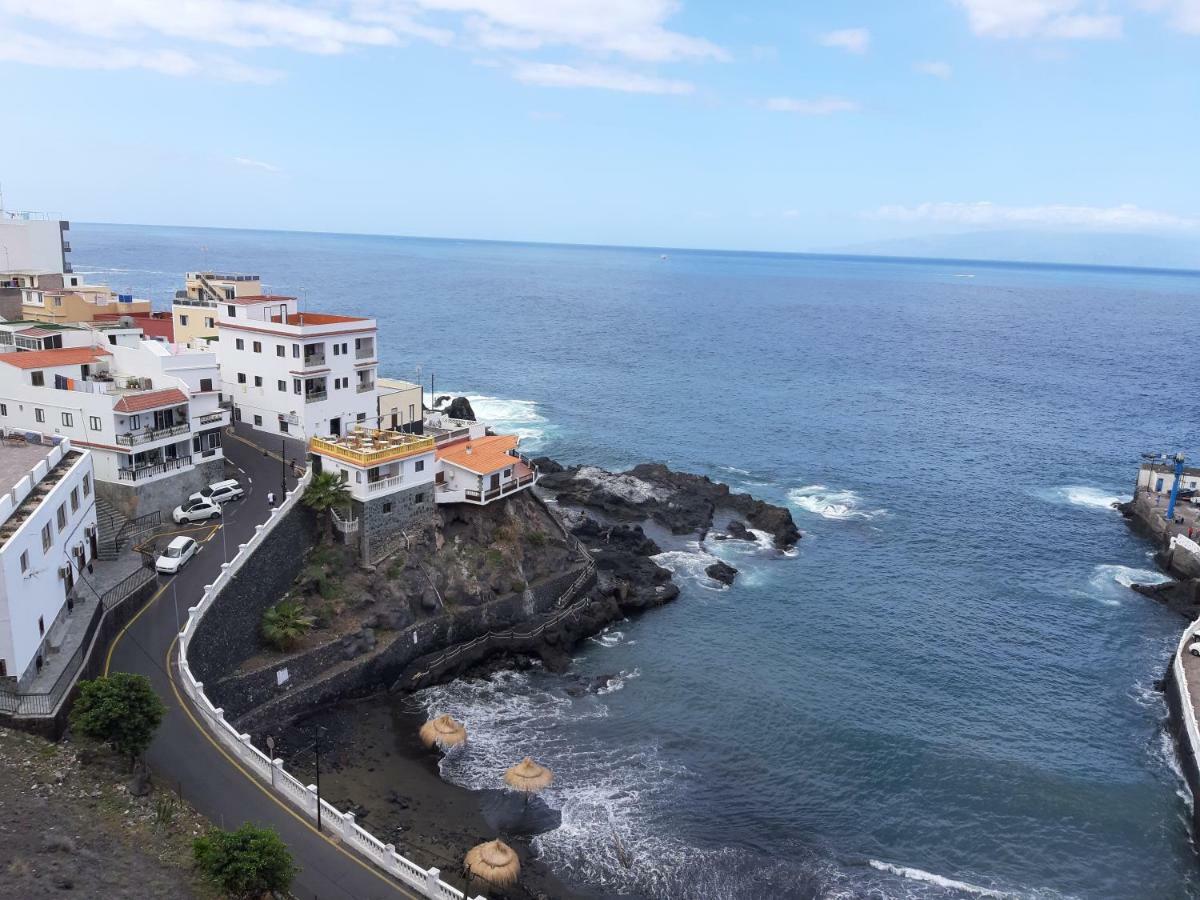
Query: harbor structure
x=194, y=309
x=302, y=374
x=48, y=536
x=149, y=412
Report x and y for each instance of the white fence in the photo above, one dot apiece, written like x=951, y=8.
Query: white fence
x=1186, y=709
x=427, y=882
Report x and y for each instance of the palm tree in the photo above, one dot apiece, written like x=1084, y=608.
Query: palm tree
x=326, y=491
x=285, y=623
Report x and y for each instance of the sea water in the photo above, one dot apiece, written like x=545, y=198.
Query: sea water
x=948, y=690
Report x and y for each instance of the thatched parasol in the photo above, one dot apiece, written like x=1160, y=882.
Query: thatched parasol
x=494, y=861
x=443, y=732
x=528, y=776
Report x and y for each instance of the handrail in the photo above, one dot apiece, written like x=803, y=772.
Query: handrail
x=427, y=882
x=1188, y=711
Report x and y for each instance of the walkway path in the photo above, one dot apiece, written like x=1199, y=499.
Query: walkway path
x=183, y=756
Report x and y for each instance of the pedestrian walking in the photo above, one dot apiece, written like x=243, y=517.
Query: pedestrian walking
x=270, y=498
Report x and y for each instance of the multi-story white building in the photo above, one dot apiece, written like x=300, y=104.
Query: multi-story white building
x=33, y=254
x=149, y=412
x=302, y=374
x=194, y=310
x=47, y=537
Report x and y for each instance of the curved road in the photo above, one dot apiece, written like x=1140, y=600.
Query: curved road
x=183, y=756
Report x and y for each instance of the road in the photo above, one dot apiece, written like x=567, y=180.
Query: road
x=183, y=756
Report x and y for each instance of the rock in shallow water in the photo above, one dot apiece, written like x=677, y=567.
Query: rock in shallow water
x=722, y=572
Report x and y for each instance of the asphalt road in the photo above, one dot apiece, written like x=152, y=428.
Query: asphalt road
x=183, y=756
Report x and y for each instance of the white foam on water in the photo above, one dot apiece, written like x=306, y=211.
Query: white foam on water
x=735, y=470
x=519, y=417
x=608, y=637
x=690, y=564
x=1082, y=495
x=1168, y=753
x=941, y=881
x=618, y=681
x=1126, y=576
x=830, y=503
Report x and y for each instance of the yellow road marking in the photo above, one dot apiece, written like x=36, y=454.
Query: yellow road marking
x=120, y=634
x=353, y=857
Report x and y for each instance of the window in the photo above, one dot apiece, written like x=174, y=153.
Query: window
x=210, y=322
x=231, y=311
x=296, y=386
x=362, y=417
x=135, y=422
x=38, y=378
x=241, y=377
x=283, y=426
x=419, y=466
x=337, y=349
x=3, y=409
x=387, y=507
x=205, y=384
x=418, y=498
x=61, y=515
x=295, y=351
x=344, y=350
x=39, y=415
x=94, y=423
x=41, y=628
x=47, y=536
x=257, y=346
x=258, y=381
x=87, y=485
x=239, y=344
x=283, y=385
x=280, y=350
x=25, y=561
x=74, y=499
x=258, y=421
x=68, y=420
x=358, y=477
x=183, y=320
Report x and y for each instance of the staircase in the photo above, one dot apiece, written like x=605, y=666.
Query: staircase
x=109, y=523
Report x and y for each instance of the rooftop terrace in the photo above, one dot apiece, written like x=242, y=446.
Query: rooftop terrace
x=367, y=447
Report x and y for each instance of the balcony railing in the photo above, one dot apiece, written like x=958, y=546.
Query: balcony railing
x=315, y=396
x=131, y=438
x=383, y=484
x=364, y=352
x=397, y=446
x=141, y=473
x=312, y=360
x=365, y=386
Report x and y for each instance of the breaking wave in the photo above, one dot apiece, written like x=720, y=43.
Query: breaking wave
x=949, y=884
x=519, y=417
x=829, y=503
x=690, y=564
x=1082, y=495
x=1126, y=576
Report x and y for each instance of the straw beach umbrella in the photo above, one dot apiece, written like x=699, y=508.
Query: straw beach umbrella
x=443, y=732
x=528, y=776
x=494, y=861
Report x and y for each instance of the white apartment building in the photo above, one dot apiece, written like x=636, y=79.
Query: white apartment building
x=149, y=412
x=194, y=310
x=34, y=243
x=47, y=537
x=302, y=374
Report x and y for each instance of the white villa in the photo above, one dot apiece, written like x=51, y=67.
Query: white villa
x=301, y=374
x=481, y=470
x=47, y=536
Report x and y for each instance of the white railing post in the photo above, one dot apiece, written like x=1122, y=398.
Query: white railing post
x=432, y=877
x=313, y=801
x=347, y=825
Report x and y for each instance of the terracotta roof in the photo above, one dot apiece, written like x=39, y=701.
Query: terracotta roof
x=36, y=332
x=259, y=298
x=45, y=359
x=132, y=403
x=483, y=455
x=318, y=319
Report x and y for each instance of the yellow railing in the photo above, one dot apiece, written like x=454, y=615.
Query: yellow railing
x=376, y=455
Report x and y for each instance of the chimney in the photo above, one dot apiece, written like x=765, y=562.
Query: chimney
x=468, y=449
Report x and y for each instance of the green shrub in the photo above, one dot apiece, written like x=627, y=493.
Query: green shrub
x=285, y=623
x=120, y=710
x=537, y=539
x=495, y=557
x=246, y=863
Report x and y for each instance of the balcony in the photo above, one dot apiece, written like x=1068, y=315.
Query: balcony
x=371, y=448
x=315, y=396
x=143, y=473
x=146, y=435
x=365, y=386
x=365, y=352
x=313, y=360
x=445, y=494
x=384, y=484
x=66, y=246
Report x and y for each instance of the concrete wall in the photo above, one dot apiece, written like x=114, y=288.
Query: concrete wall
x=383, y=521
x=228, y=633
x=133, y=499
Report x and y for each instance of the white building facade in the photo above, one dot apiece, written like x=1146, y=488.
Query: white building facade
x=301, y=374
x=47, y=538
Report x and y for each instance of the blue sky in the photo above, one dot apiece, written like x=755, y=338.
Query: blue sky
x=753, y=125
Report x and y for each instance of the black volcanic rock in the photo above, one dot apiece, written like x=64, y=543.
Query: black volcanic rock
x=739, y=532
x=460, y=408
x=722, y=572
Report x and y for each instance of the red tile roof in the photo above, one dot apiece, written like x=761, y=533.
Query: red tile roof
x=318, y=319
x=46, y=359
x=259, y=298
x=132, y=403
x=483, y=455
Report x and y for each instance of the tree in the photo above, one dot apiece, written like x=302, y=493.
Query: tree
x=326, y=491
x=246, y=863
x=285, y=623
x=120, y=710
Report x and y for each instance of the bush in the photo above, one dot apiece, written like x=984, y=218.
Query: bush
x=495, y=557
x=285, y=623
x=245, y=863
x=537, y=539
x=120, y=710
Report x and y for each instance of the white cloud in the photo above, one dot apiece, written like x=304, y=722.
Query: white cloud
x=255, y=164
x=823, y=106
x=558, y=75
x=852, y=40
x=935, y=68
x=1182, y=15
x=1060, y=19
x=985, y=214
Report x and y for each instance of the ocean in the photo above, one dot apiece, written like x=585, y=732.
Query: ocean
x=948, y=690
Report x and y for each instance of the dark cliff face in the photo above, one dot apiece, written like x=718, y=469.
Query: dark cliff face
x=460, y=408
x=680, y=501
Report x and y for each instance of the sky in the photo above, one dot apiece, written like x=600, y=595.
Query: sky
x=750, y=125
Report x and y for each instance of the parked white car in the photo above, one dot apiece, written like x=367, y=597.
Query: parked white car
x=176, y=556
x=196, y=511
x=220, y=491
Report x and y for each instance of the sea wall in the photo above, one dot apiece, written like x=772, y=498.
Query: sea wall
x=229, y=633
x=258, y=703
x=1182, y=713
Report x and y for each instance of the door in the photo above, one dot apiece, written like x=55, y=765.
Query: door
x=335, y=427
x=495, y=482
x=1158, y=486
